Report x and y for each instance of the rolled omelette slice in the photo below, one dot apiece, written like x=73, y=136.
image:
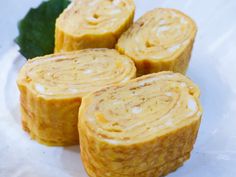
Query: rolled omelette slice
x=145, y=127
x=161, y=40
x=93, y=24
x=51, y=88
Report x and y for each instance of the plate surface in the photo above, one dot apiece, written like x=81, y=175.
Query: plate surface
x=213, y=68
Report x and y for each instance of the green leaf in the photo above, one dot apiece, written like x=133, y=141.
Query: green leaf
x=37, y=28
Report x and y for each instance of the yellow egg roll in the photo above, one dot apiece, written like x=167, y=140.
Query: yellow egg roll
x=51, y=88
x=161, y=40
x=143, y=128
x=92, y=24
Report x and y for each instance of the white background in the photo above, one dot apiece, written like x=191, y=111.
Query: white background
x=213, y=68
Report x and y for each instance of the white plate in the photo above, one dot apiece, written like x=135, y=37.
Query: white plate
x=213, y=68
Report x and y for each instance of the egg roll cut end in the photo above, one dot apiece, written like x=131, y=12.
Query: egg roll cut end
x=99, y=25
x=161, y=40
